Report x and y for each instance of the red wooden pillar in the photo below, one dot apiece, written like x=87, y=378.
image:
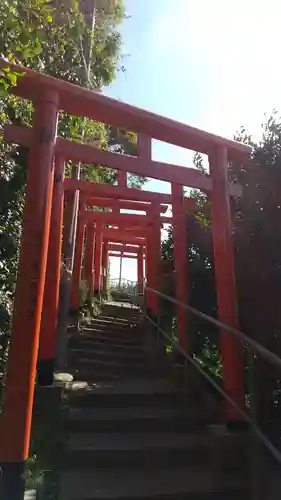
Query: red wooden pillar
x=122, y=178
x=98, y=256
x=46, y=361
x=69, y=220
x=15, y=421
x=181, y=261
x=153, y=259
x=225, y=280
x=140, y=269
x=156, y=255
x=104, y=266
x=145, y=153
x=76, y=275
x=89, y=256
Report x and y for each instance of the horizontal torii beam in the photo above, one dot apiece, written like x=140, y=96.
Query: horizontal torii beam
x=122, y=204
x=140, y=231
x=112, y=218
x=132, y=233
x=80, y=101
x=123, y=193
x=84, y=153
x=123, y=237
x=123, y=255
x=123, y=248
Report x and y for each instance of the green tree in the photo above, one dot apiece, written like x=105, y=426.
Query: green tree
x=257, y=243
x=52, y=37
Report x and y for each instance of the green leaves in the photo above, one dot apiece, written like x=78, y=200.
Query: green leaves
x=40, y=36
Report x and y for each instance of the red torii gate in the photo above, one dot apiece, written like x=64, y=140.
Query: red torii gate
x=153, y=272
x=116, y=205
x=43, y=203
x=139, y=223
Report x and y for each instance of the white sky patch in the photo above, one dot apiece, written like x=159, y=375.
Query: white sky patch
x=235, y=49
x=227, y=54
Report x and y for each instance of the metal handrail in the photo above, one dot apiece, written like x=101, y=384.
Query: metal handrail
x=269, y=445
x=269, y=356
x=124, y=279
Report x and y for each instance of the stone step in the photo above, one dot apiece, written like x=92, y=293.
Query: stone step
x=92, y=344
x=115, y=329
x=158, y=419
x=111, y=334
x=128, y=399
x=119, y=321
x=107, y=341
x=105, y=354
x=118, y=318
x=190, y=483
x=97, y=377
x=140, y=449
x=160, y=449
x=123, y=328
x=109, y=365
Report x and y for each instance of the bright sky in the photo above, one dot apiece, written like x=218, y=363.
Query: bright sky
x=214, y=64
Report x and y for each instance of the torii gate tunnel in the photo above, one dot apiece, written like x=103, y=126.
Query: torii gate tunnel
x=36, y=300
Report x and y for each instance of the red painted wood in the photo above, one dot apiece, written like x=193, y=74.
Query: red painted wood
x=79, y=101
x=153, y=260
x=144, y=146
x=77, y=266
x=20, y=379
x=123, y=204
x=140, y=267
x=104, y=266
x=121, y=237
x=122, y=178
x=125, y=255
x=114, y=219
x=52, y=282
x=137, y=231
x=89, y=256
x=123, y=248
x=225, y=281
x=76, y=152
x=72, y=198
x=67, y=220
x=98, y=257
x=114, y=192
x=157, y=170
x=181, y=262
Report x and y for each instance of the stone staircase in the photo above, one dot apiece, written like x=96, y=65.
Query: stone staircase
x=131, y=434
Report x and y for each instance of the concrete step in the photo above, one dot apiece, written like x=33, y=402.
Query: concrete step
x=159, y=449
x=190, y=483
x=92, y=343
x=109, y=366
x=120, y=320
x=159, y=419
x=113, y=329
x=116, y=339
x=136, y=449
x=97, y=377
x=125, y=398
x=109, y=355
